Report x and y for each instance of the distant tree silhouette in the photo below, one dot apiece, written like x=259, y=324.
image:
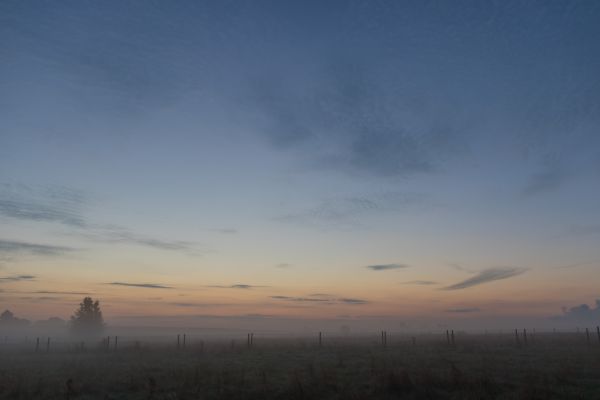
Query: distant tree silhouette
x=51, y=324
x=87, y=319
x=8, y=319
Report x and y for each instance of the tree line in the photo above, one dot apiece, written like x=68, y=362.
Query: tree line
x=86, y=320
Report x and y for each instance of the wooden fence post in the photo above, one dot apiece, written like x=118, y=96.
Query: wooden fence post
x=587, y=336
x=517, y=337
x=178, y=343
x=48, y=345
x=452, y=337
x=320, y=339
x=525, y=337
x=448, y=337
x=116, y=341
x=37, y=345
x=184, y=337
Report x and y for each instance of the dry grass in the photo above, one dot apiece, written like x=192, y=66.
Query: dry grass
x=477, y=367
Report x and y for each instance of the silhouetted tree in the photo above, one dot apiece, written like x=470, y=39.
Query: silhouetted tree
x=8, y=319
x=87, y=319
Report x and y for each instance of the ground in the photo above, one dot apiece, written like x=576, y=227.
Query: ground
x=550, y=366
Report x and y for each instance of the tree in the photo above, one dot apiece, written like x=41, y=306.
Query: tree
x=8, y=319
x=87, y=319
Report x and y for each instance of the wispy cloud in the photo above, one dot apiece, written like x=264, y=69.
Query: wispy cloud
x=384, y=267
x=193, y=305
x=44, y=204
x=353, y=301
x=65, y=206
x=235, y=286
x=459, y=267
x=321, y=300
x=60, y=292
x=419, y=282
x=485, y=276
x=120, y=235
x=343, y=211
x=17, y=278
x=365, y=126
x=303, y=299
x=463, y=310
x=9, y=247
x=141, y=285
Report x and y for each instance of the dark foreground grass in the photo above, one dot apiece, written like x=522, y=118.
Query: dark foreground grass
x=476, y=368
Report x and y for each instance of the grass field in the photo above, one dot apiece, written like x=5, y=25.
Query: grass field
x=550, y=366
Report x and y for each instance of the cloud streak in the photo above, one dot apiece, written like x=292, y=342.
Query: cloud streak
x=321, y=300
x=141, y=285
x=342, y=211
x=65, y=206
x=385, y=267
x=420, y=282
x=120, y=235
x=43, y=204
x=17, y=278
x=486, y=276
x=9, y=247
x=235, y=286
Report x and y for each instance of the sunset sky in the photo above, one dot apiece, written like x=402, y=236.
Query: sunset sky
x=430, y=160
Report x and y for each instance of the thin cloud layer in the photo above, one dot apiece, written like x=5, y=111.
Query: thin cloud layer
x=120, y=235
x=235, y=286
x=420, y=282
x=353, y=301
x=321, y=300
x=17, y=278
x=9, y=247
x=65, y=206
x=42, y=204
x=61, y=292
x=141, y=285
x=368, y=127
x=343, y=211
x=385, y=267
x=488, y=275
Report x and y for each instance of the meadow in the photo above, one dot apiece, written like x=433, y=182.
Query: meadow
x=549, y=366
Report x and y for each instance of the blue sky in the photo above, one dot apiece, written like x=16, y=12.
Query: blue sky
x=288, y=146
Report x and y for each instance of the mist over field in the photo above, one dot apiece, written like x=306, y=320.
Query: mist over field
x=299, y=199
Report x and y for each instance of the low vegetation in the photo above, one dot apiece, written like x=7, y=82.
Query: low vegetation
x=550, y=366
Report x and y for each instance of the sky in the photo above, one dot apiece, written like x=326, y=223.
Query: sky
x=345, y=161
